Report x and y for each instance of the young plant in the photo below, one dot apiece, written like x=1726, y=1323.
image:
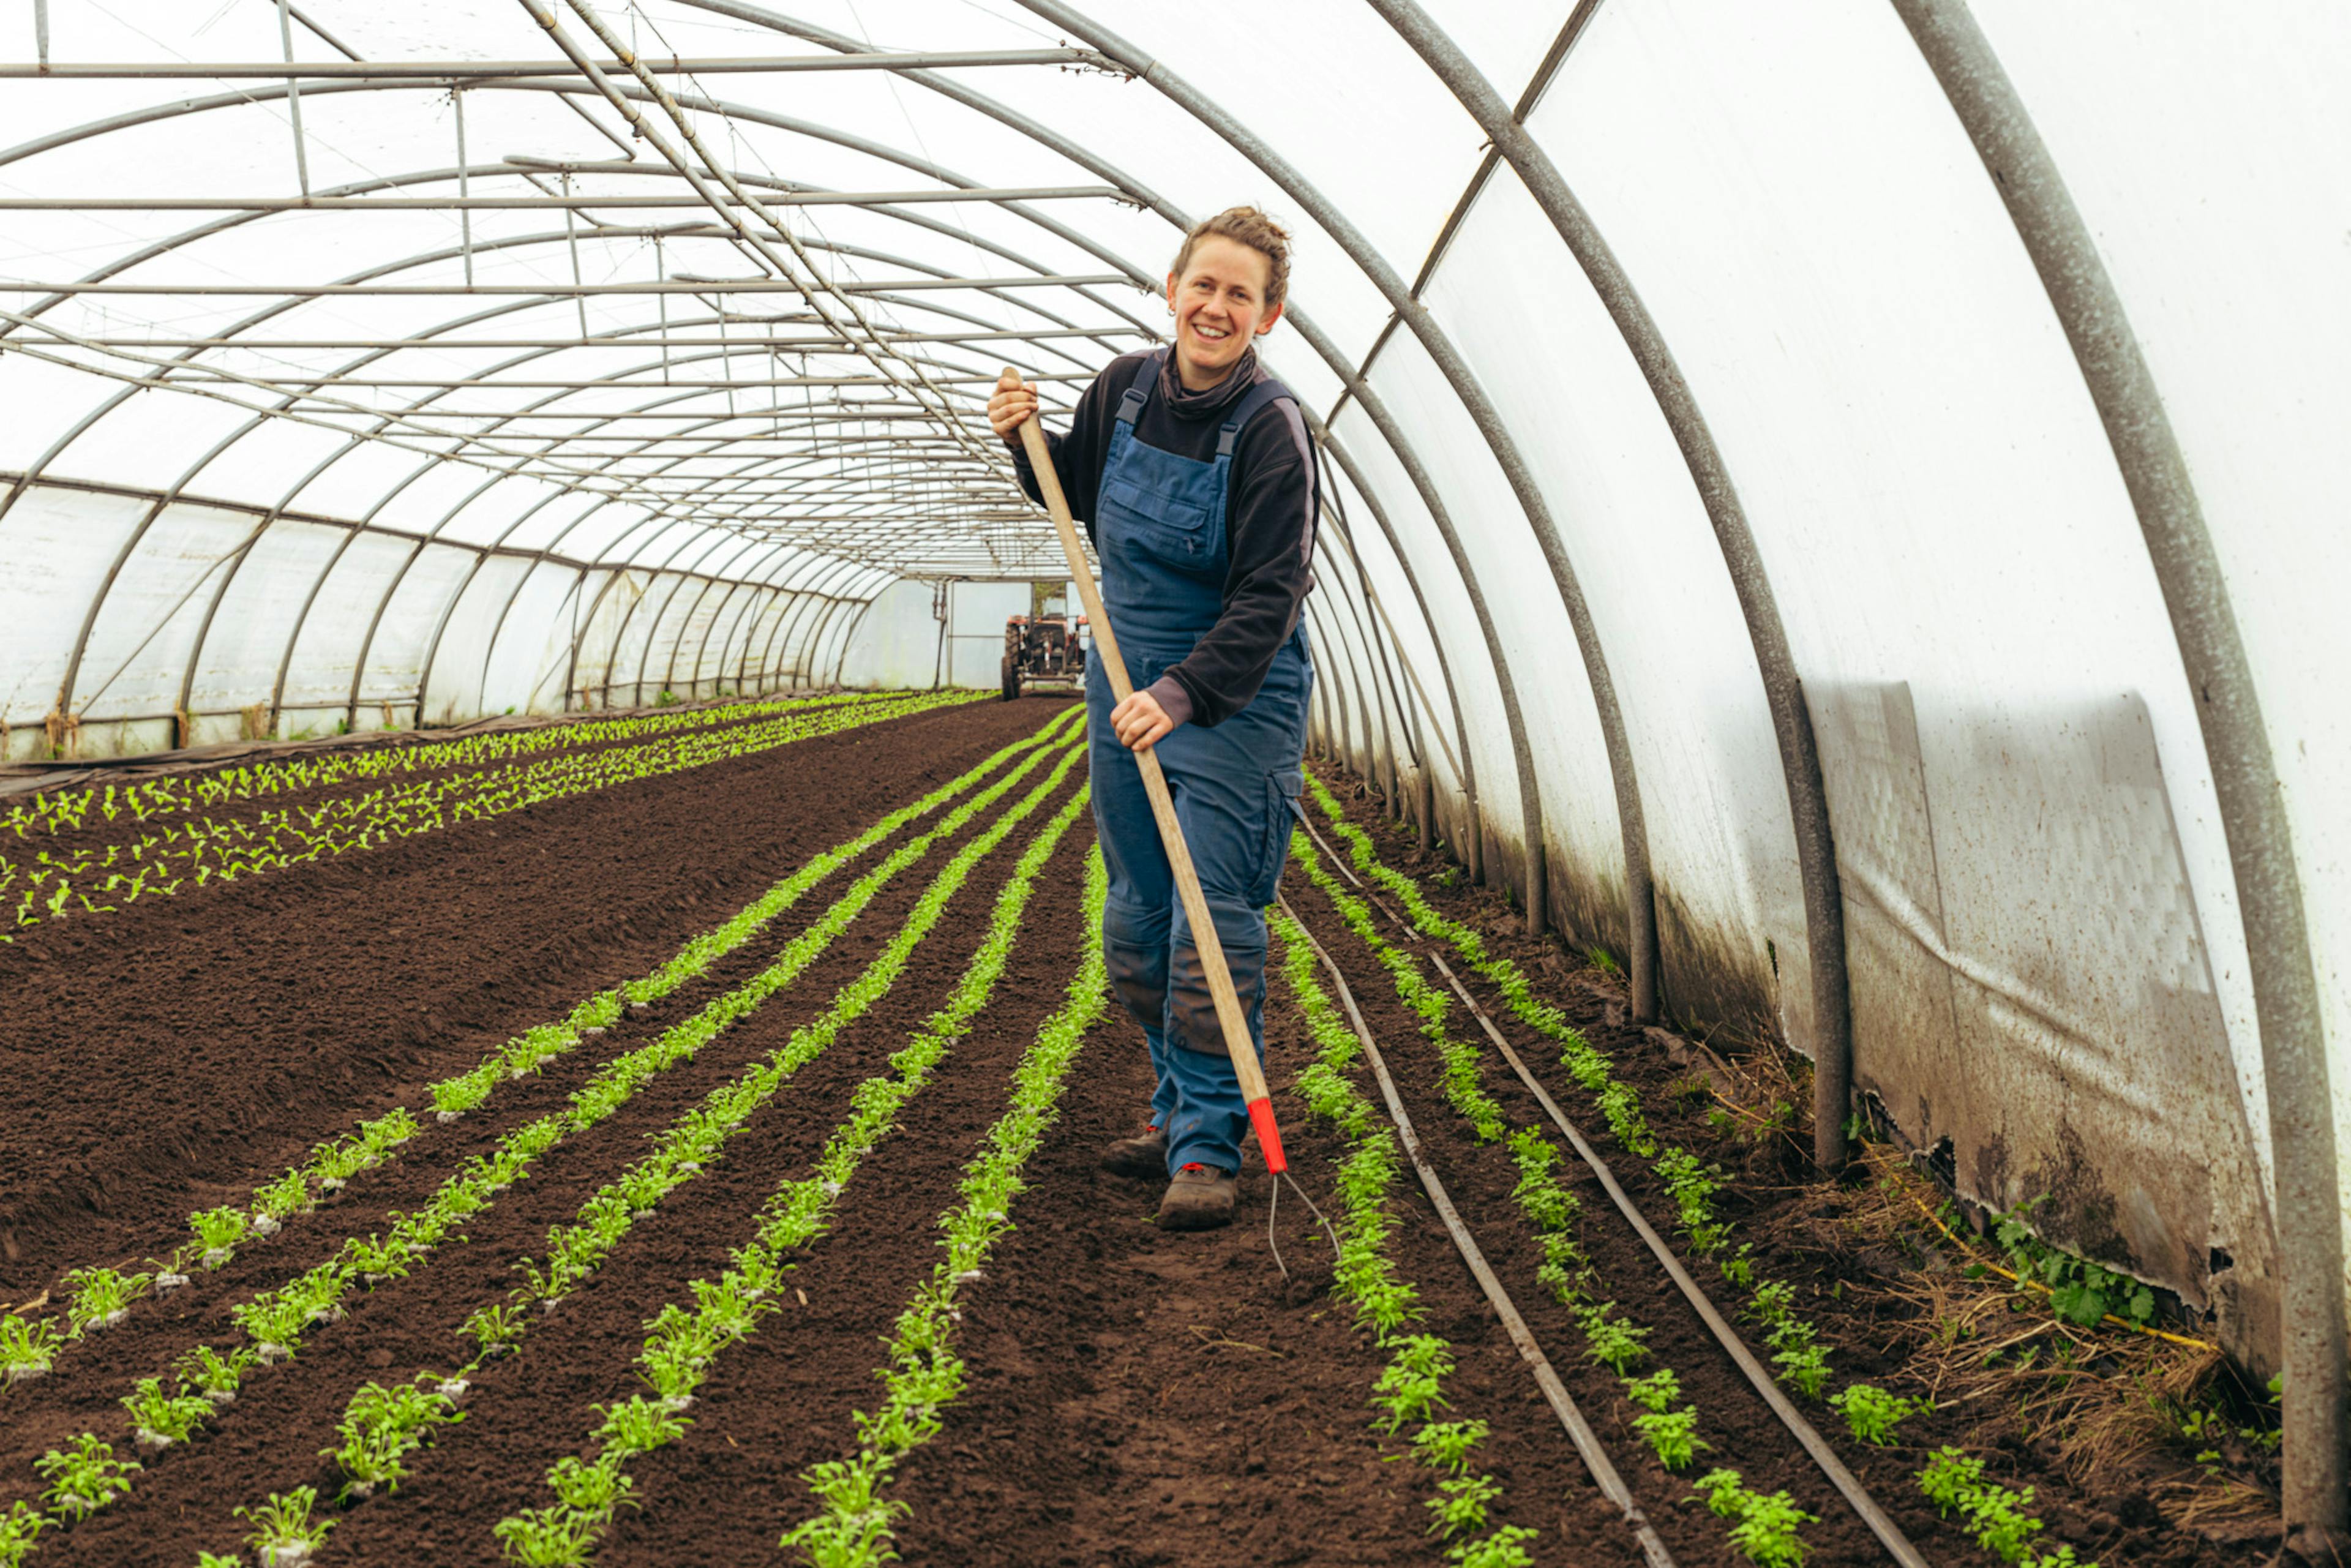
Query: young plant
x=102, y=1298
x=19, y=1528
x=28, y=1346
x=1446, y=1445
x=218, y=1230
x=548, y=1538
x=284, y=1533
x=1762, y=1527
x=1505, y=1548
x=205, y=1371
x=1871, y=1413
x=1612, y=1342
x=1460, y=1504
x=1673, y=1436
x=85, y=1479
x=158, y=1420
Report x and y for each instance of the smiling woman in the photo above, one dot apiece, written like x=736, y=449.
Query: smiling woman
x=1194, y=474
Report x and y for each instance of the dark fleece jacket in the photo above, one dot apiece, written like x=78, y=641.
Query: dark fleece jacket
x=1268, y=521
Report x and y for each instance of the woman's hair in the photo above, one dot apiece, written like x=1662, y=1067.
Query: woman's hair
x=1247, y=226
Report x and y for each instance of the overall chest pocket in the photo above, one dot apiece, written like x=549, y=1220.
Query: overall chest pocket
x=1165, y=527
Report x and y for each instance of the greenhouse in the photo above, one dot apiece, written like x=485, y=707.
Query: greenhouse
x=1764, y=927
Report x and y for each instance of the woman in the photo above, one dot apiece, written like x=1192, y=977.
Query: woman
x=1194, y=474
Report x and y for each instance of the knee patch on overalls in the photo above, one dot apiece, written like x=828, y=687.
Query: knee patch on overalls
x=1192, y=1020
x=1134, y=951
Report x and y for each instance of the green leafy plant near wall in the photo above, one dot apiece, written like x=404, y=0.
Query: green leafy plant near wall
x=1410, y=1390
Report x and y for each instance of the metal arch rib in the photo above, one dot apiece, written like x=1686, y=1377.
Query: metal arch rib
x=2309, y=1208
x=1792, y=725
x=1640, y=902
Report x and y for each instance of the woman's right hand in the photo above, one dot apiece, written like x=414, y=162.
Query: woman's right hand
x=1007, y=408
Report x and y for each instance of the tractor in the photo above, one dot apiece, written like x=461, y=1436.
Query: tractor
x=1044, y=651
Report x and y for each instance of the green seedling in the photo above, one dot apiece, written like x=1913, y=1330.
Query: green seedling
x=1762, y=1527
x=495, y=1329
x=85, y=1479
x=1460, y=1504
x=597, y=1489
x=1447, y=1445
x=1655, y=1393
x=284, y=1533
x=160, y=1420
x=1506, y=1548
x=1673, y=1436
x=212, y=1374
x=638, y=1426
x=29, y=1347
x=1871, y=1413
x=1614, y=1343
x=19, y=1528
x=218, y=1230
x=102, y=1298
x=548, y=1538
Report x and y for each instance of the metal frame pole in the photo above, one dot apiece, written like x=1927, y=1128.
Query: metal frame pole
x=1792, y=724
x=2309, y=1208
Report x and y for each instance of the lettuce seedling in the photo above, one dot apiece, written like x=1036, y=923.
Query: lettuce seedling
x=160, y=1420
x=284, y=1533
x=85, y=1479
x=102, y=1297
x=29, y=1347
x=19, y=1528
x=218, y=1230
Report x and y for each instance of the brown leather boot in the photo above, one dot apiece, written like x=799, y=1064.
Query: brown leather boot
x=1200, y=1197
x=1144, y=1154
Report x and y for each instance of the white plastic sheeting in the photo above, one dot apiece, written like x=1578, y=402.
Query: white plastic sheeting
x=223, y=512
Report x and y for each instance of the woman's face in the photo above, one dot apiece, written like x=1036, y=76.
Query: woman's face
x=1219, y=304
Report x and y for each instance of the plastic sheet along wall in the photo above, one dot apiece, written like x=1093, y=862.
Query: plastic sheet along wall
x=1926, y=476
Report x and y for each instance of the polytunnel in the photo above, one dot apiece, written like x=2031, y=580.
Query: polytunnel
x=1822, y=503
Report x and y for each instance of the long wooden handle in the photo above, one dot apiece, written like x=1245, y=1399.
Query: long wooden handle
x=1163, y=806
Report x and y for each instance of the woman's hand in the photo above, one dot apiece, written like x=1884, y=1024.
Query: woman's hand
x=1139, y=723
x=1007, y=408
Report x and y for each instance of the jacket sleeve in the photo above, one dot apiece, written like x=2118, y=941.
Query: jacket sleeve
x=1270, y=527
x=1079, y=456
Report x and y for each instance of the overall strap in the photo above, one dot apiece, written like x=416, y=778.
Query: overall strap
x=1256, y=398
x=1139, y=391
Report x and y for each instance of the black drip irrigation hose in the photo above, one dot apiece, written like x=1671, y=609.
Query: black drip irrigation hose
x=1579, y=1431
x=1889, y=1534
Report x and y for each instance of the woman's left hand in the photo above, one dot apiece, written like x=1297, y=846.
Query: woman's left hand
x=1139, y=723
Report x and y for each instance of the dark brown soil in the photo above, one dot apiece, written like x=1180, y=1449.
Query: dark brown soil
x=1789, y=1218
x=160, y=1060
x=532, y=1408
x=1134, y=1397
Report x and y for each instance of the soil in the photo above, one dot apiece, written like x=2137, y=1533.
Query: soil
x=161, y=1060
x=1132, y=1397
x=1791, y=1220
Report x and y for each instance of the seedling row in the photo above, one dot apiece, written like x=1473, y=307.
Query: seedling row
x=176, y=856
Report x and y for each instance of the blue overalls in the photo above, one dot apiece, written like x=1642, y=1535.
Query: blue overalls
x=1160, y=532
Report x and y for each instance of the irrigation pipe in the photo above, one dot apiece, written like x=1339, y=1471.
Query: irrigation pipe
x=1889, y=1534
x=1579, y=1431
